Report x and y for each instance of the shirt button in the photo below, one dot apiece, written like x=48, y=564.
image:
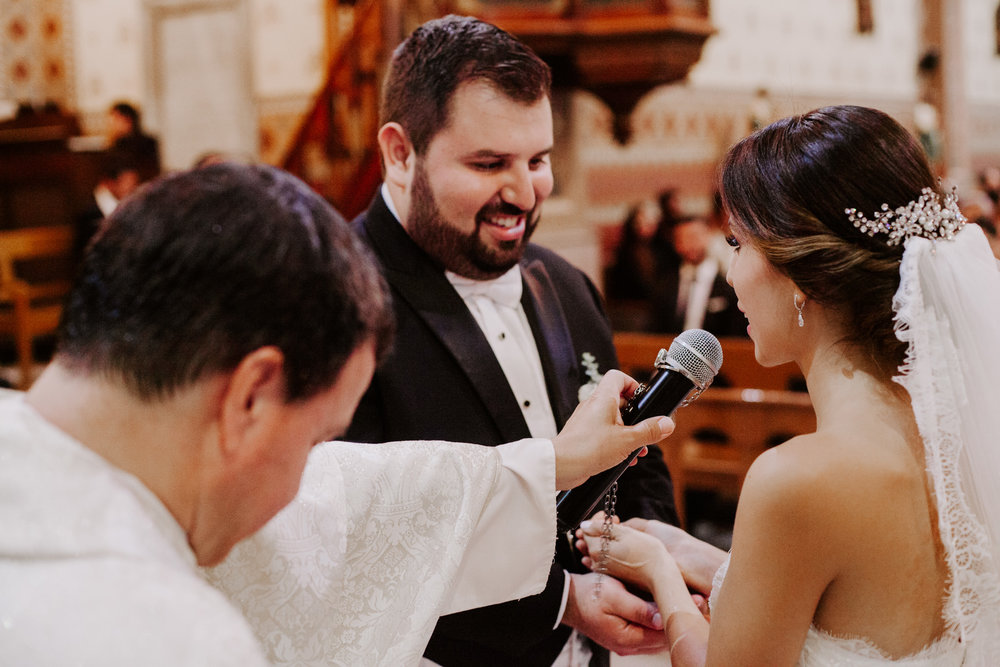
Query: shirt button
x=527, y=404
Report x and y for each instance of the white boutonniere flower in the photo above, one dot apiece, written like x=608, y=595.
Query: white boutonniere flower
x=594, y=376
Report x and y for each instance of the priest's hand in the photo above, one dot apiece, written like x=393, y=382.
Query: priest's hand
x=595, y=438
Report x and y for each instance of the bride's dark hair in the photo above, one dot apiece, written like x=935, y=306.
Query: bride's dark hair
x=787, y=185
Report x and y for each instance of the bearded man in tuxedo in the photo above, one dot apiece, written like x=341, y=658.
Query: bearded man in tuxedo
x=498, y=338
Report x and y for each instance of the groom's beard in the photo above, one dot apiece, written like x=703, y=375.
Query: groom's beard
x=465, y=254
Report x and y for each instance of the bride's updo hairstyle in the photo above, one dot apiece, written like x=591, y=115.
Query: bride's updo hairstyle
x=786, y=187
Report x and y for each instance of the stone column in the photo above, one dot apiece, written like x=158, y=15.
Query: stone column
x=945, y=86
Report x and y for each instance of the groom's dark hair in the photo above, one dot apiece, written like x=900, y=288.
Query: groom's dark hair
x=439, y=56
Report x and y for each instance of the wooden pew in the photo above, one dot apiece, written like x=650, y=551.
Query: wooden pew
x=637, y=351
x=719, y=435
x=31, y=308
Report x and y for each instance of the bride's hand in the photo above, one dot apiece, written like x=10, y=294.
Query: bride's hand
x=642, y=559
x=632, y=555
x=581, y=545
x=697, y=560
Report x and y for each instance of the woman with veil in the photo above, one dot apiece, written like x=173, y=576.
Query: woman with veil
x=875, y=539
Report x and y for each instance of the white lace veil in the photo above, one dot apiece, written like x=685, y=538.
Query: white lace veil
x=948, y=311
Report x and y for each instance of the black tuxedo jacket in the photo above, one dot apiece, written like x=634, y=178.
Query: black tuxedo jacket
x=722, y=316
x=442, y=381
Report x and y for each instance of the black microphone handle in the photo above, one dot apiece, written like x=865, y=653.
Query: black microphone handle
x=665, y=391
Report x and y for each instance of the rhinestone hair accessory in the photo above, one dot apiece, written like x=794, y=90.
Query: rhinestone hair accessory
x=930, y=217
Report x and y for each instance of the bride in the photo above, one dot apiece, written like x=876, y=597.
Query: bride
x=873, y=540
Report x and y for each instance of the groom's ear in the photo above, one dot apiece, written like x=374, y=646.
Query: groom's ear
x=398, y=156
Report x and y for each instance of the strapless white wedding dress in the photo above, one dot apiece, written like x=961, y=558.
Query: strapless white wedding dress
x=822, y=649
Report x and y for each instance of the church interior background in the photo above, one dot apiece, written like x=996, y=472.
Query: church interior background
x=243, y=76
x=238, y=76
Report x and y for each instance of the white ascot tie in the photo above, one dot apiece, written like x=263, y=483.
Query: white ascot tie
x=503, y=291
x=496, y=306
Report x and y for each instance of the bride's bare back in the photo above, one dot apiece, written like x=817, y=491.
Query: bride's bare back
x=836, y=529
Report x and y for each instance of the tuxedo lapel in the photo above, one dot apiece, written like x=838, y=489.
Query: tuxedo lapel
x=424, y=287
x=552, y=338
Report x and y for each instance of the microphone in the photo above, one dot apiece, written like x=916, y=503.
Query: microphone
x=680, y=375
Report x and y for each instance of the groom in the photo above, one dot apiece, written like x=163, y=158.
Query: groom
x=498, y=339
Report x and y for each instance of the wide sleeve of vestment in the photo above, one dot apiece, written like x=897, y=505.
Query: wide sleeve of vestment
x=384, y=538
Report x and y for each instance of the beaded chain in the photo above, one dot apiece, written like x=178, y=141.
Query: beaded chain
x=610, y=500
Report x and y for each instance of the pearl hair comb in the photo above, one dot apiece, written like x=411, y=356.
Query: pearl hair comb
x=930, y=217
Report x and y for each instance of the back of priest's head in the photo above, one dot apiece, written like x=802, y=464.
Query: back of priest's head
x=200, y=268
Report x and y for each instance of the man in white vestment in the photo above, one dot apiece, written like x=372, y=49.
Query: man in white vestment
x=224, y=322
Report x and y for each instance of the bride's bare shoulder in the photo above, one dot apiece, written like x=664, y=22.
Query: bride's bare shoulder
x=815, y=474
x=791, y=526
x=803, y=459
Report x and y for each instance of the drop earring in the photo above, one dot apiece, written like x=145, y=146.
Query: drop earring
x=799, y=307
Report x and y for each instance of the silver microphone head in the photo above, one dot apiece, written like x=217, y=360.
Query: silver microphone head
x=697, y=354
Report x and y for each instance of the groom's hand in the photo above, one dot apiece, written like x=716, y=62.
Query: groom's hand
x=615, y=619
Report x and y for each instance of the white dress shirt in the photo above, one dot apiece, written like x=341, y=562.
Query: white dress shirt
x=496, y=306
x=699, y=288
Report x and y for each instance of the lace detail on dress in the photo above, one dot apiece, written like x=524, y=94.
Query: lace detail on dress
x=945, y=328
x=822, y=649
